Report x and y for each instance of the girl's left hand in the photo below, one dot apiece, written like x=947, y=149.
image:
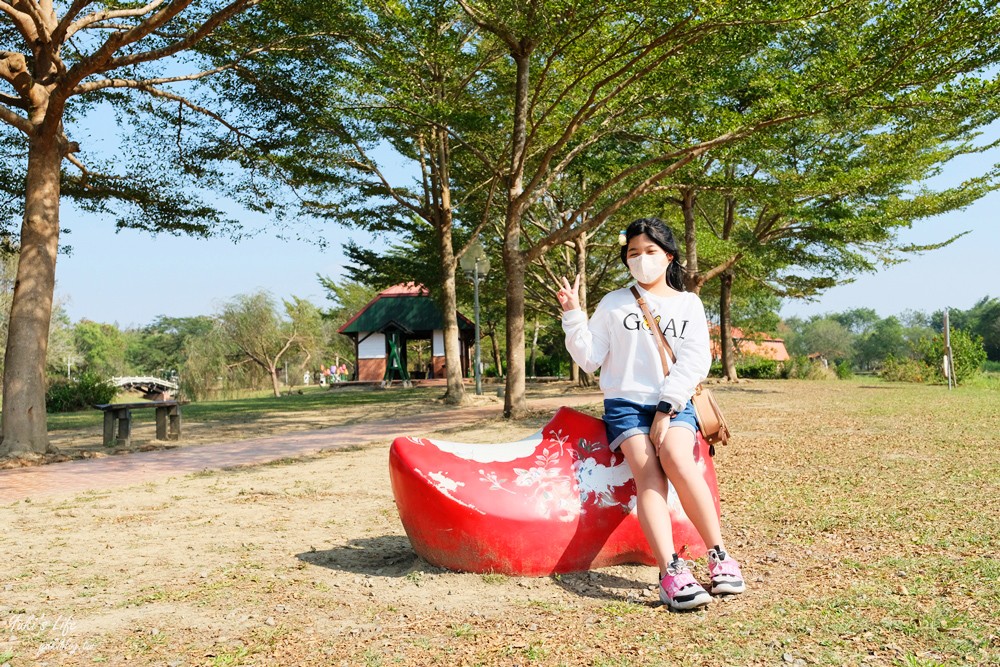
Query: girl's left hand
x=658, y=430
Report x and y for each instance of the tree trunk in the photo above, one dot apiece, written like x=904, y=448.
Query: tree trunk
x=495, y=346
x=24, y=426
x=584, y=379
x=692, y=281
x=726, y=327
x=515, y=403
x=534, y=349
x=452, y=349
x=275, y=384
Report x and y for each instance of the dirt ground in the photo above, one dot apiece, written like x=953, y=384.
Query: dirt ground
x=861, y=546
x=86, y=442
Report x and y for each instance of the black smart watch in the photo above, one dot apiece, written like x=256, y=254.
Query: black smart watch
x=666, y=408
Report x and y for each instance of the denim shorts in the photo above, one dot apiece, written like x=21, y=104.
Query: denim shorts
x=623, y=419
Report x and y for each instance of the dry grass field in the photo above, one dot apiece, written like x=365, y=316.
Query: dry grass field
x=867, y=517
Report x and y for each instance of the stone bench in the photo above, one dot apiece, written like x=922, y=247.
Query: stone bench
x=118, y=421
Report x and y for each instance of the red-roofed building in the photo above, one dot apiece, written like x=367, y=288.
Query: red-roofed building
x=759, y=345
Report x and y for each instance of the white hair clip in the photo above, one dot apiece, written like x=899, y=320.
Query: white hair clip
x=621, y=238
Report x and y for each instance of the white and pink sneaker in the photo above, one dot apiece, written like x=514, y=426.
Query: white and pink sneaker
x=679, y=590
x=725, y=573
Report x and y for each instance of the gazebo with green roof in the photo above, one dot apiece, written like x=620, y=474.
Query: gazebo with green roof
x=398, y=315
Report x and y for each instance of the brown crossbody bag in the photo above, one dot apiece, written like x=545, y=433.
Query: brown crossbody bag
x=710, y=420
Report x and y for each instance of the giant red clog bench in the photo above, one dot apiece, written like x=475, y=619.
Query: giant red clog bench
x=558, y=501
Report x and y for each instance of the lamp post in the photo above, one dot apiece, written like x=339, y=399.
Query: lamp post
x=476, y=265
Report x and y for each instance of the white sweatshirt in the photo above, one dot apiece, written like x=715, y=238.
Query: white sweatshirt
x=618, y=341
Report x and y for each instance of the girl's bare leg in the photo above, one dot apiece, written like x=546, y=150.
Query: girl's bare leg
x=676, y=458
x=651, y=497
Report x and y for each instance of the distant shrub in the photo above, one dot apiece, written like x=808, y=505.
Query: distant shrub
x=905, y=370
x=844, y=371
x=991, y=366
x=989, y=380
x=795, y=368
x=547, y=366
x=83, y=391
x=801, y=367
x=967, y=352
x=757, y=368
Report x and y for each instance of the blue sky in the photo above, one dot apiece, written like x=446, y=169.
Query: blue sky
x=955, y=276
x=131, y=277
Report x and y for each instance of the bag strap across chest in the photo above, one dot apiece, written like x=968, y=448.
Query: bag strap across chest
x=662, y=346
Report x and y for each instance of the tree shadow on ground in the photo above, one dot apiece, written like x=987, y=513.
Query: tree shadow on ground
x=605, y=586
x=734, y=389
x=388, y=556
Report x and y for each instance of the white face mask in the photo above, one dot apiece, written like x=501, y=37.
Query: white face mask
x=648, y=268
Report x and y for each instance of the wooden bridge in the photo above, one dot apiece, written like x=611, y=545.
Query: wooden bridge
x=151, y=388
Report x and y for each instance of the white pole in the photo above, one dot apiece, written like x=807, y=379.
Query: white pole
x=949, y=362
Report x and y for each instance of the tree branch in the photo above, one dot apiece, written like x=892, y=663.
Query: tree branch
x=477, y=18
x=685, y=155
x=557, y=50
x=72, y=27
x=451, y=133
x=21, y=21
x=720, y=268
x=12, y=101
x=99, y=60
x=85, y=180
x=30, y=9
x=486, y=218
x=16, y=120
x=592, y=105
x=370, y=166
x=145, y=83
x=582, y=112
x=207, y=28
x=14, y=70
x=59, y=34
x=159, y=92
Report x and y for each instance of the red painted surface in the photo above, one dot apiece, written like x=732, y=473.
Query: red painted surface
x=560, y=501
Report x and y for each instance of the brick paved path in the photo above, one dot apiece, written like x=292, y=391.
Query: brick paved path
x=73, y=477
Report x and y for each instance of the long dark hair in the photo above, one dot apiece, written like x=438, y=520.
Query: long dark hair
x=660, y=234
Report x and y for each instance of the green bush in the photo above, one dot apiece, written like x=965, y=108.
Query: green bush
x=905, y=370
x=83, y=391
x=795, y=368
x=991, y=366
x=757, y=368
x=843, y=370
x=967, y=352
x=801, y=367
x=546, y=366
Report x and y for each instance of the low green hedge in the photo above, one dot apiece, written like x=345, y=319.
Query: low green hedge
x=83, y=391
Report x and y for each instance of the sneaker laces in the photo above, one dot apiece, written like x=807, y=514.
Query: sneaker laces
x=678, y=577
x=679, y=566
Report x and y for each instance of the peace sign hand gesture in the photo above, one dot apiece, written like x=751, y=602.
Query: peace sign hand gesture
x=569, y=295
